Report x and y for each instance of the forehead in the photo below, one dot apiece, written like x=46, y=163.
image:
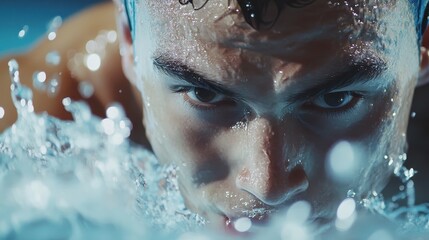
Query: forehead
x=317, y=34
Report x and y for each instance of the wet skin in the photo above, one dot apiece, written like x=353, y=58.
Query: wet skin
x=249, y=116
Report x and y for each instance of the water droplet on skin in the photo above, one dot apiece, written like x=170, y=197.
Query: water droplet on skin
x=346, y=209
x=52, y=36
x=91, y=46
x=351, y=193
x=342, y=162
x=112, y=36
x=53, y=86
x=55, y=23
x=242, y=224
x=299, y=212
x=93, y=62
x=53, y=26
x=2, y=112
x=410, y=193
x=22, y=96
x=346, y=214
x=66, y=101
x=39, y=80
x=53, y=58
x=23, y=31
x=86, y=89
x=113, y=112
x=14, y=71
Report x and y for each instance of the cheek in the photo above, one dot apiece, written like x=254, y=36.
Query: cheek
x=387, y=146
x=174, y=133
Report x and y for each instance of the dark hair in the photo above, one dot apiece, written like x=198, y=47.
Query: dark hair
x=255, y=11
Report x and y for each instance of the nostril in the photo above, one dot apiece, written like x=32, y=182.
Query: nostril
x=298, y=180
x=275, y=187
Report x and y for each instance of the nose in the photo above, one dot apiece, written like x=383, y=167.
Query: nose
x=265, y=171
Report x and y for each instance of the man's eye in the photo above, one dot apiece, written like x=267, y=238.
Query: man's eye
x=334, y=100
x=204, y=96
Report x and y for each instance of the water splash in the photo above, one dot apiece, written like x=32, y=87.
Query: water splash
x=60, y=181
x=54, y=181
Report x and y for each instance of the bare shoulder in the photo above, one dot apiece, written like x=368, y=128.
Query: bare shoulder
x=90, y=34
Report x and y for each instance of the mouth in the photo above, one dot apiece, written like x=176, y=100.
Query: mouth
x=248, y=225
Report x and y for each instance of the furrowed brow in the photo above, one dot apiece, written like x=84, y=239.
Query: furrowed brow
x=181, y=71
x=358, y=73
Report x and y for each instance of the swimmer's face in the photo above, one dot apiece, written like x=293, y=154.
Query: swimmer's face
x=250, y=118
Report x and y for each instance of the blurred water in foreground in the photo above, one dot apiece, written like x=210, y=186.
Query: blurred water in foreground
x=84, y=179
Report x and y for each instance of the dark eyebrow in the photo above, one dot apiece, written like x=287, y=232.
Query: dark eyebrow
x=185, y=73
x=356, y=73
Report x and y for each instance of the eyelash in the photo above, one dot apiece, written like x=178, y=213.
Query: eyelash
x=335, y=112
x=308, y=106
x=183, y=90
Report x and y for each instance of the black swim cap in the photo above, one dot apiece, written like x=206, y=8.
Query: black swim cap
x=419, y=7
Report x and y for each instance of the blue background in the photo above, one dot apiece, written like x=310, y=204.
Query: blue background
x=36, y=14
